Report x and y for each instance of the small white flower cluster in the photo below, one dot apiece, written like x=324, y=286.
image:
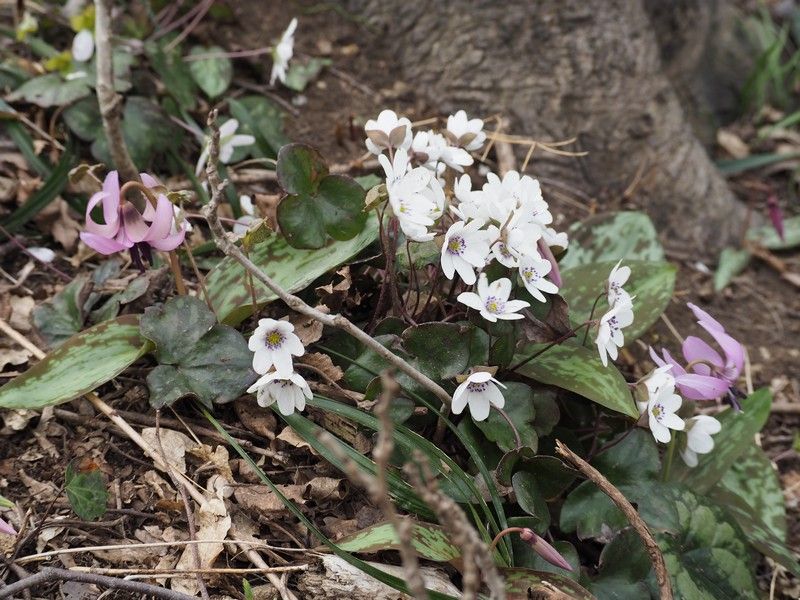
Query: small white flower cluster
x=506, y=220
x=661, y=407
x=618, y=316
x=273, y=344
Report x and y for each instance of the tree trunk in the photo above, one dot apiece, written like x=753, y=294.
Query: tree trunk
x=564, y=68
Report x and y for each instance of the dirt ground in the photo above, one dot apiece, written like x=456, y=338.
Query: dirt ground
x=759, y=308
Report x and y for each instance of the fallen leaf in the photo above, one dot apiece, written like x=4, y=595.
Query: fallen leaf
x=213, y=524
x=175, y=446
x=308, y=329
x=732, y=143
x=21, y=307
x=322, y=364
x=255, y=418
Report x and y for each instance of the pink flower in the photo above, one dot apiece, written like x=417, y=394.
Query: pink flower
x=6, y=528
x=125, y=227
x=543, y=549
x=708, y=374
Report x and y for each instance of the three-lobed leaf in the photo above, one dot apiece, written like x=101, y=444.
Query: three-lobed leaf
x=317, y=204
x=212, y=71
x=86, y=492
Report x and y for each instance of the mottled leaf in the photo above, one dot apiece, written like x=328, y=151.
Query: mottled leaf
x=731, y=262
x=767, y=236
x=292, y=268
x=650, y=282
x=171, y=67
x=51, y=90
x=263, y=119
x=212, y=74
x=300, y=74
x=738, y=429
x=430, y=541
x=86, y=492
x=623, y=569
x=610, y=237
x=62, y=317
x=196, y=356
x=579, y=370
x=79, y=365
x=521, y=411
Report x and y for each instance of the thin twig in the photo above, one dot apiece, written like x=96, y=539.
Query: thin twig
x=294, y=302
x=109, y=101
x=662, y=577
x=183, y=572
x=48, y=574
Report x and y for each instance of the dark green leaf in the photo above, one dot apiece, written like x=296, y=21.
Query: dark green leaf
x=263, y=119
x=212, y=74
x=86, y=492
x=79, y=365
x=650, y=282
x=196, y=356
x=444, y=350
x=521, y=410
x=531, y=499
x=737, y=427
x=579, y=370
x=62, y=317
x=623, y=570
x=317, y=203
x=174, y=71
x=293, y=269
x=83, y=119
x=610, y=237
x=735, y=166
x=633, y=467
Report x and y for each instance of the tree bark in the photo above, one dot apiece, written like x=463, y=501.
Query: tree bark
x=564, y=68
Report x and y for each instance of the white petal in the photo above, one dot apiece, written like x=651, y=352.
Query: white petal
x=471, y=299
x=479, y=407
x=83, y=45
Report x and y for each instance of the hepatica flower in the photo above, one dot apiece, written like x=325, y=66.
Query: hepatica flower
x=699, y=430
x=388, y=131
x=274, y=343
x=492, y=300
x=533, y=270
x=290, y=391
x=662, y=405
x=125, y=228
x=465, y=248
x=479, y=391
x=282, y=54
x=465, y=132
x=229, y=140
x=609, y=333
x=616, y=279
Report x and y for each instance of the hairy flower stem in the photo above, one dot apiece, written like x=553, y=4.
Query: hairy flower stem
x=591, y=316
x=669, y=457
x=502, y=534
x=504, y=414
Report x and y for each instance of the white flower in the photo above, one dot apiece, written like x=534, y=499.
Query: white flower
x=533, y=270
x=616, y=279
x=467, y=133
x=465, y=248
x=228, y=141
x=555, y=239
x=83, y=45
x=248, y=217
x=44, y=255
x=609, y=334
x=454, y=157
x=282, y=53
x=289, y=391
x=480, y=392
x=425, y=150
x=388, y=131
x=413, y=201
x=492, y=300
x=504, y=253
x=653, y=382
x=274, y=343
x=699, y=430
x=179, y=219
x=661, y=408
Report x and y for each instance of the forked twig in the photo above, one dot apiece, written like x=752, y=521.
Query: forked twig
x=656, y=557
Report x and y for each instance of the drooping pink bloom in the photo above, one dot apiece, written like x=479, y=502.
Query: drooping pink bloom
x=125, y=228
x=776, y=215
x=7, y=528
x=708, y=373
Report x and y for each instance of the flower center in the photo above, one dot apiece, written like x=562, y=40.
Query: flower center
x=658, y=411
x=273, y=340
x=479, y=387
x=530, y=274
x=456, y=245
x=494, y=305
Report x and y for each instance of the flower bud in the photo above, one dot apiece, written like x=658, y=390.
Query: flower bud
x=543, y=549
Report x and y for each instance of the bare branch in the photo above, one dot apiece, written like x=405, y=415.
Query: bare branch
x=109, y=101
x=293, y=302
x=630, y=513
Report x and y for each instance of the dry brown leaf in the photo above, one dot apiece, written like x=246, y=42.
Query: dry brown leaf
x=732, y=143
x=175, y=445
x=57, y=220
x=213, y=524
x=13, y=357
x=321, y=489
x=255, y=418
x=219, y=459
x=308, y=329
x=290, y=438
x=8, y=189
x=21, y=308
x=16, y=419
x=322, y=363
x=260, y=499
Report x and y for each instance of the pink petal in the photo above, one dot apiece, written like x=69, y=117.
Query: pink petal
x=112, y=199
x=170, y=242
x=734, y=351
x=667, y=360
x=701, y=387
x=547, y=254
x=162, y=221
x=704, y=317
x=135, y=227
x=102, y=244
x=696, y=349
x=7, y=528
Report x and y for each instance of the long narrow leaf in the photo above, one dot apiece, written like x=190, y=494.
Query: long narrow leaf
x=367, y=568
